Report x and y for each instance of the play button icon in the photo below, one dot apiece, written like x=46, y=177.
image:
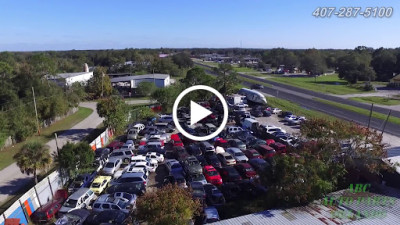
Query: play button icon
x=198, y=112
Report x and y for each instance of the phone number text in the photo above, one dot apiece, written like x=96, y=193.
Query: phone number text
x=352, y=12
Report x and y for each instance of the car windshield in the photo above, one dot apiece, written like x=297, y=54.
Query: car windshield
x=176, y=166
x=238, y=154
x=212, y=173
x=96, y=185
x=122, y=204
x=110, y=165
x=117, y=154
x=70, y=203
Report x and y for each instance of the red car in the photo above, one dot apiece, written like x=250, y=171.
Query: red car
x=279, y=147
x=212, y=176
x=221, y=142
x=252, y=153
x=115, y=145
x=50, y=209
x=270, y=141
x=245, y=170
x=176, y=140
x=266, y=151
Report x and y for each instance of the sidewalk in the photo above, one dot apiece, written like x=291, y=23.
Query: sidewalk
x=13, y=180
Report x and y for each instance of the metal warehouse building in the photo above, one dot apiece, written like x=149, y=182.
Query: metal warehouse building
x=160, y=80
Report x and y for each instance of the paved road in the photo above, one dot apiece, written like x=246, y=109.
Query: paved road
x=13, y=180
x=305, y=99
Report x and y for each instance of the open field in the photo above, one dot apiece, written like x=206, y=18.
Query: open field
x=330, y=84
x=377, y=100
x=6, y=155
x=366, y=112
x=244, y=69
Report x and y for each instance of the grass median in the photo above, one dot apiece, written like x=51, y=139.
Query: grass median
x=7, y=154
x=366, y=112
x=378, y=100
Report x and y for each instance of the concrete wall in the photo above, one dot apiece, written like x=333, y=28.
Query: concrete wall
x=102, y=140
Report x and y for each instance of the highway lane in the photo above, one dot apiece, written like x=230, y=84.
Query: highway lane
x=306, y=101
x=320, y=95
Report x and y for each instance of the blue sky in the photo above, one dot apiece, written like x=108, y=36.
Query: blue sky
x=97, y=24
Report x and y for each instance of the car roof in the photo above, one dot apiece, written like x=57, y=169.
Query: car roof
x=113, y=159
x=211, y=212
x=233, y=149
x=101, y=178
x=79, y=193
x=137, y=174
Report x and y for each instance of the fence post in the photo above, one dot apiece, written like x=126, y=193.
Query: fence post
x=37, y=195
x=23, y=209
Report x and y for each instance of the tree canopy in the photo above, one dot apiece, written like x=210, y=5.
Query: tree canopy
x=75, y=158
x=167, y=205
x=146, y=88
x=114, y=110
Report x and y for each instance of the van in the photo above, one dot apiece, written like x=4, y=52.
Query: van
x=132, y=134
x=250, y=124
x=78, y=200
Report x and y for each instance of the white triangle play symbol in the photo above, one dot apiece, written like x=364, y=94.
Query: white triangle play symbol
x=197, y=112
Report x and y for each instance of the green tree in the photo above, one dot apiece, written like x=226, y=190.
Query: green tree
x=43, y=64
x=197, y=76
x=355, y=66
x=5, y=69
x=227, y=78
x=384, y=64
x=146, y=88
x=313, y=62
x=114, y=110
x=166, y=96
x=167, y=205
x=20, y=123
x=182, y=60
x=100, y=84
x=75, y=158
x=33, y=156
x=140, y=113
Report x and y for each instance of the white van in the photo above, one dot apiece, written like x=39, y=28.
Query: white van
x=78, y=200
x=250, y=124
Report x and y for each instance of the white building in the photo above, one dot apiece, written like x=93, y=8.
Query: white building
x=67, y=79
x=160, y=80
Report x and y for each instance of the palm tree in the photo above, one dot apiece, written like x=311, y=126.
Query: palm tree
x=33, y=156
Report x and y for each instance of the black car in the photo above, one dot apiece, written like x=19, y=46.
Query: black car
x=266, y=113
x=198, y=191
x=137, y=188
x=230, y=174
x=214, y=196
x=257, y=86
x=258, y=164
x=213, y=160
x=251, y=189
x=194, y=149
x=230, y=190
x=75, y=217
x=202, y=160
x=256, y=113
x=109, y=217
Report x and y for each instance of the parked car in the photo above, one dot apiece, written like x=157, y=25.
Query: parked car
x=257, y=86
x=176, y=178
x=194, y=149
x=229, y=174
x=212, y=176
x=226, y=159
x=256, y=113
x=137, y=188
x=173, y=166
x=237, y=154
x=112, y=166
x=213, y=160
x=210, y=215
x=233, y=129
x=266, y=151
x=108, y=217
x=131, y=178
x=79, y=199
x=130, y=197
x=252, y=153
x=214, y=196
x=99, y=184
x=266, y=113
x=138, y=158
x=245, y=170
x=237, y=144
x=74, y=217
x=231, y=191
x=125, y=154
x=255, y=142
x=205, y=146
x=115, y=145
x=197, y=177
x=283, y=114
x=106, y=202
x=259, y=164
x=192, y=166
x=154, y=155
x=198, y=191
x=279, y=147
x=132, y=134
x=81, y=181
x=289, y=118
x=49, y=210
x=101, y=154
x=275, y=111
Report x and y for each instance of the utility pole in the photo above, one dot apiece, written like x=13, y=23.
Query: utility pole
x=58, y=150
x=384, y=125
x=34, y=103
x=370, y=114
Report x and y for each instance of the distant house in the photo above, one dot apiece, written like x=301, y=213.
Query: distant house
x=67, y=79
x=395, y=81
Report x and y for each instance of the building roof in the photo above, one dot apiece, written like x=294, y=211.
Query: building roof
x=318, y=213
x=157, y=76
x=68, y=75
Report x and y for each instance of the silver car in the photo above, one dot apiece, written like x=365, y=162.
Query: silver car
x=112, y=166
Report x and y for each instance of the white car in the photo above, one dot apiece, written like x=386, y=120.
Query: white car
x=138, y=158
x=154, y=155
x=290, y=118
x=233, y=129
x=165, y=119
x=150, y=165
x=138, y=127
x=275, y=110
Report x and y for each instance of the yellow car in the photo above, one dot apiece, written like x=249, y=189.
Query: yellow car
x=100, y=183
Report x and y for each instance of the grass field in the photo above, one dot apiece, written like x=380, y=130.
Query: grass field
x=366, y=112
x=296, y=109
x=244, y=69
x=6, y=155
x=327, y=84
x=378, y=100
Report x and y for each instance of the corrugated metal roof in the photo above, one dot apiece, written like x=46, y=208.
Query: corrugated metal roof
x=317, y=213
x=68, y=75
x=138, y=77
